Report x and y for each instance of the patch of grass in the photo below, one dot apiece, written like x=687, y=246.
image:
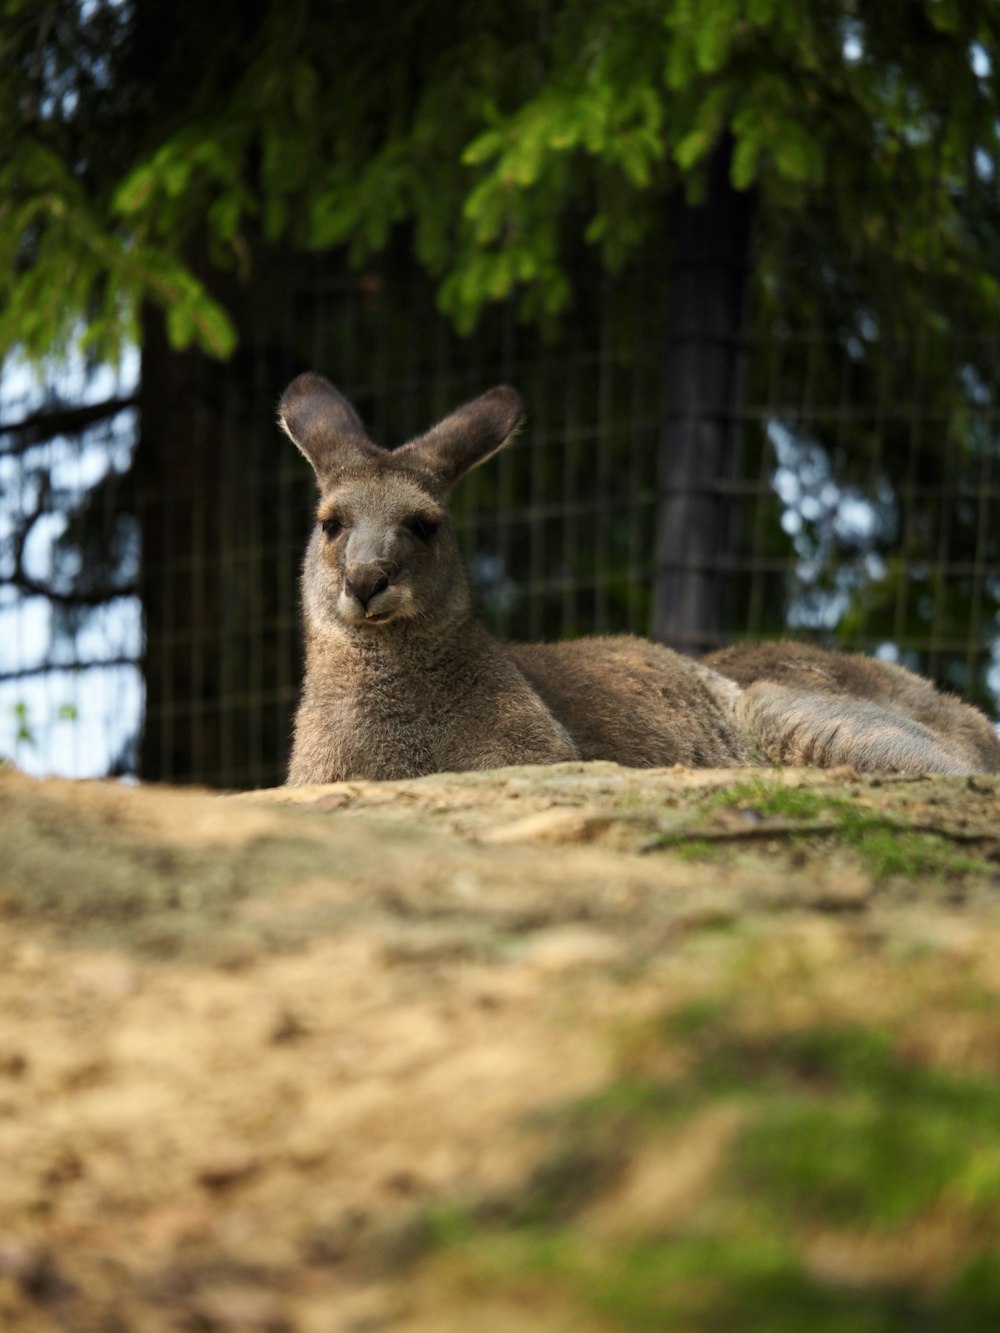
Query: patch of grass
x=884, y=846
x=562, y=1183
x=112, y=885
x=770, y=800
x=632, y=802
x=566, y=1180
x=698, y=1017
x=624, y=1107
x=721, y=1284
x=844, y=1131
x=852, y=1135
x=886, y=850
x=695, y=849
x=837, y=1133
x=707, y=1285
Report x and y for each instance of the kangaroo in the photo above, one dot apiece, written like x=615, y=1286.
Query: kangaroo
x=402, y=680
x=400, y=677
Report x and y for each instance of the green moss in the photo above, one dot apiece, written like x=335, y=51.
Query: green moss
x=623, y=1107
x=753, y=1284
x=698, y=1016
x=746, y=1281
x=839, y=1134
x=694, y=849
x=887, y=851
x=884, y=846
x=770, y=800
x=852, y=1135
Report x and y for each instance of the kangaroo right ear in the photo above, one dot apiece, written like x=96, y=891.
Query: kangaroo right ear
x=465, y=438
x=323, y=425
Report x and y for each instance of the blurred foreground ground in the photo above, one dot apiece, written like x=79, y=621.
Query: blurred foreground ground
x=578, y=1048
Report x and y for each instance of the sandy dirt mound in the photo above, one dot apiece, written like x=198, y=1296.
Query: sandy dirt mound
x=567, y=1048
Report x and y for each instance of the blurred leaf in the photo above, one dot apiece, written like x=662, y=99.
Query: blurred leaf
x=512, y=129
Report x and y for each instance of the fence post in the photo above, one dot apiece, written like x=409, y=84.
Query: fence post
x=698, y=433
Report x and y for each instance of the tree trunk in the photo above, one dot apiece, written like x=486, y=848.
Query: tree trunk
x=216, y=583
x=700, y=422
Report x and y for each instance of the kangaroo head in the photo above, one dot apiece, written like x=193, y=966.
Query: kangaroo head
x=383, y=550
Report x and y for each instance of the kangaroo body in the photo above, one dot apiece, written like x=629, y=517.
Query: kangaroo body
x=406, y=707
x=402, y=680
x=636, y=702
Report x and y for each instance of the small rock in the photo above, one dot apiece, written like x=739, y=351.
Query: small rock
x=33, y=1269
x=334, y=1242
x=65, y=1168
x=13, y=1064
x=110, y=980
x=336, y=800
x=226, y=1170
x=288, y=1026
x=565, y=948
x=554, y=827
x=848, y=891
x=240, y=1310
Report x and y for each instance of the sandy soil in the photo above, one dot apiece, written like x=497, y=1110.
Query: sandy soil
x=256, y=1050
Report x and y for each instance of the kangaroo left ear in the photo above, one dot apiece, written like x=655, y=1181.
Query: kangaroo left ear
x=323, y=425
x=465, y=438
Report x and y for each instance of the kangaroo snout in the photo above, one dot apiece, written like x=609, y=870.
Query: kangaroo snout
x=363, y=582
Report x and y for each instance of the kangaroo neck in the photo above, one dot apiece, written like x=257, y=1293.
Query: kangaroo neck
x=409, y=650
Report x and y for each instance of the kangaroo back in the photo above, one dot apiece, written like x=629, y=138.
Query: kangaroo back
x=636, y=702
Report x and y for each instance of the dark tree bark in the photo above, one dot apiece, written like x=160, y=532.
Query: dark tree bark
x=58, y=419
x=216, y=583
x=219, y=614
x=700, y=427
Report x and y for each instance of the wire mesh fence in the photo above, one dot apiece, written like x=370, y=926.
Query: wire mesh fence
x=148, y=598
x=70, y=621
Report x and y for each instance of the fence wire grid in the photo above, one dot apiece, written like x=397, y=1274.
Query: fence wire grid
x=149, y=621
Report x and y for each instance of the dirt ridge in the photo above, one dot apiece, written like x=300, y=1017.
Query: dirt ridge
x=407, y=1055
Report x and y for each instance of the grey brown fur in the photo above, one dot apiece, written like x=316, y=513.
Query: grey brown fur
x=806, y=706
x=402, y=680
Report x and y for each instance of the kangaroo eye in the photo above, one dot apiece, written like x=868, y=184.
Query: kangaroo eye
x=423, y=528
x=332, y=527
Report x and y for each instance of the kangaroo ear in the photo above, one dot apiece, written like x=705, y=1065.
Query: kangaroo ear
x=323, y=425
x=465, y=438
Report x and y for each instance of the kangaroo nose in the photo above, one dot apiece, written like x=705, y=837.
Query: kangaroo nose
x=364, y=583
